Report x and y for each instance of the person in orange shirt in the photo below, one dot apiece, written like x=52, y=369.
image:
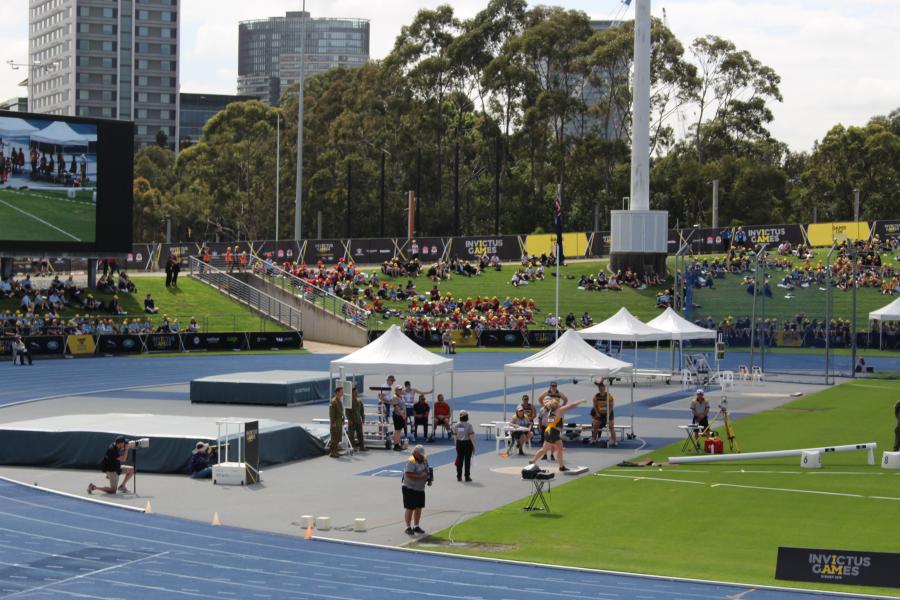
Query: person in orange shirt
x=229, y=259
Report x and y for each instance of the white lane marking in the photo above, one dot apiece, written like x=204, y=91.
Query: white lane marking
x=36, y=218
x=650, y=478
x=772, y=489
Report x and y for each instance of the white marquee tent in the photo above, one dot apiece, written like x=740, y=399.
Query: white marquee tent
x=680, y=328
x=59, y=133
x=623, y=327
x=888, y=312
x=569, y=356
x=15, y=127
x=393, y=352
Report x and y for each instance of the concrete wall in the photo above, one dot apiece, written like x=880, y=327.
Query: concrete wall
x=318, y=324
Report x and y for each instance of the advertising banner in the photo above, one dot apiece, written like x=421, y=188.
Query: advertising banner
x=289, y=340
x=824, y=234
x=38, y=344
x=372, y=251
x=501, y=338
x=428, y=249
x=281, y=251
x=251, y=451
x=887, y=229
x=847, y=567
x=119, y=344
x=163, y=342
x=79, y=345
x=327, y=251
x=141, y=257
x=193, y=342
x=473, y=248
x=574, y=244
x=539, y=338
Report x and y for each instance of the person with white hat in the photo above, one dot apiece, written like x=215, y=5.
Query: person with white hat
x=700, y=410
x=200, y=465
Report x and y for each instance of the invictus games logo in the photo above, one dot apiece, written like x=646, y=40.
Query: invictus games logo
x=837, y=566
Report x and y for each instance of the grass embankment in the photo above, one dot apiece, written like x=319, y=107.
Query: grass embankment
x=728, y=297
x=638, y=522
x=214, y=311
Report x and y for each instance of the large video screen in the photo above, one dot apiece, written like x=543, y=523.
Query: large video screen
x=65, y=184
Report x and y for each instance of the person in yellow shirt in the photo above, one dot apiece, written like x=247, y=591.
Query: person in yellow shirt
x=602, y=414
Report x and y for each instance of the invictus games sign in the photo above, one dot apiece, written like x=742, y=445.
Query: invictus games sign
x=880, y=569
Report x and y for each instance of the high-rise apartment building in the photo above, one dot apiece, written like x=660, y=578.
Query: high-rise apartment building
x=115, y=59
x=269, y=50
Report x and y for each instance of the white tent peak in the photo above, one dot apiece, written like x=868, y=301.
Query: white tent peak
x=680, y=328
x=568, y=355
x=623, y=327
x=888, y=312
x=15, y=127
x=393, y=351
x=60, y=134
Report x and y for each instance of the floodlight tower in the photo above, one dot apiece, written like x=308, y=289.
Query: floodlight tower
x=640, y=235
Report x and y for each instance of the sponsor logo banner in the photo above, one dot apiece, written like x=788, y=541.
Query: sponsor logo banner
x=163, y=342
x=473, y=248
x=80, y=344
x=880, y=569
x=213, y=341
x=372, y=251
x=824, y=234
x=119, y=344
x=290, y=340
x=887, y=229
x=37, y=344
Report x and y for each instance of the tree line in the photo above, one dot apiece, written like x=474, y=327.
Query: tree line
x=487, y=118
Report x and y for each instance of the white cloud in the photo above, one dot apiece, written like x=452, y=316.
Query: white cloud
x=836, y=58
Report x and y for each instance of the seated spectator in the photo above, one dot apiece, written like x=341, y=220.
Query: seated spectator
x=586, y=320
x=150, y=305
x=443, y=416
x=420, y=411
x=116, y=308
x=200, y=464
x=522, y=432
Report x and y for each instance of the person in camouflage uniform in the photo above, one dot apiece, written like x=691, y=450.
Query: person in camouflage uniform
x=336, y=416
x=355, y=418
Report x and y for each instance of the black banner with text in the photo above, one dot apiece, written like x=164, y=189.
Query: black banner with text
x=846, y=567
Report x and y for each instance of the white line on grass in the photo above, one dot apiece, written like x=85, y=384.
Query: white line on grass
x=28, y=214
x=883, y=498
x=650, y=478
x=757, y=487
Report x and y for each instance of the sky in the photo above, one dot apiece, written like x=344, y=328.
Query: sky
x=837, y=59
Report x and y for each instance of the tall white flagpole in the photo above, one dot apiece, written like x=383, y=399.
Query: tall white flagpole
x=558, y=252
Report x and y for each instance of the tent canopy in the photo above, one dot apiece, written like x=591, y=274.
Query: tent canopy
x=569, y=355
x=624, y=327
x=393, y=351
x=60, y=134
x=15, y=127
x=889, y=312
x=680, y=328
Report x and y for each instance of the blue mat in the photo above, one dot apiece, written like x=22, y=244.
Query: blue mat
x=54, y=546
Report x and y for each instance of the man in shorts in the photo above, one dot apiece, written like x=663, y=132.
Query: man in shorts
x=415, y=478
x=700, y=411
x=113, y=465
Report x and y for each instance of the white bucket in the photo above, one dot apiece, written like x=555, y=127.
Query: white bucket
x=359, y=524
x=323, y=523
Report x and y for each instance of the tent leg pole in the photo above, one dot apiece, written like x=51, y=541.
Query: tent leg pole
x=631, y=401
x=452, y=395
x=504, y=397
x=532, y=389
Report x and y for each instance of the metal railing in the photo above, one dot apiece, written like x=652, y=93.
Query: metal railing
x=299, y=288
x=245, y=293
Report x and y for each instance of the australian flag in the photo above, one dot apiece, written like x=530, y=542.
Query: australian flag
x=558, y=222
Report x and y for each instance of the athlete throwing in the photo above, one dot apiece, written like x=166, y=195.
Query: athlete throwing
x=553, y=432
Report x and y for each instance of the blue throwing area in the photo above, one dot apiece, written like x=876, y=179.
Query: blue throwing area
x=54, y=546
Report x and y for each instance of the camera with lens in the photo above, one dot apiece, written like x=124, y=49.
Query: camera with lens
x=139, y=443
x=430, y=479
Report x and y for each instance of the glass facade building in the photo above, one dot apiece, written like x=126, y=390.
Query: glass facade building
x=114, y=59
x=197, y=109
x=269, y=51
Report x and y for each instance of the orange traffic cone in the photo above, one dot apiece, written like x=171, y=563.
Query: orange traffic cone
x=149, y=509
x=308, y=535
x=216, y=520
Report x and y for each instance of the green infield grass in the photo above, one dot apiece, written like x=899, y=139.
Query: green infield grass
x=213, y=310
x=729, y=297
x=723, y=521
x=47, y=216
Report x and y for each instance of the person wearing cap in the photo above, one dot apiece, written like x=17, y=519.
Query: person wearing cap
x=113, y=465
x=553, y=393
x=521, y=428
x=700, y=410
x=602, y=414
x=200, y=464
x=464, y=434
x=415, y=478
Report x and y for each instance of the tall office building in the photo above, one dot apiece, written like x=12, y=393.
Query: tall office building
x=115, y=59
x=197, y=109
x=269, y=51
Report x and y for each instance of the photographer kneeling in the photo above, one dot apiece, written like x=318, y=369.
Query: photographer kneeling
x=416, y=476
x=200, y=465
x=113, y=465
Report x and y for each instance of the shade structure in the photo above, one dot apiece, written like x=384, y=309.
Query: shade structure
x=15, y=127
x=623, y=327
x=569, y=355
x=391, y=352
x=889, y=312
x=680, y=328
x=60, y=134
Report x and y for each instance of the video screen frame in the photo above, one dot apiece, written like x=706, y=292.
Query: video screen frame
x=80, y=207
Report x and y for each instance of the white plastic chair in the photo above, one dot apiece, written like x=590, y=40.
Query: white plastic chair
x=503, y=436
x=687, y=380
x=756, y=375
x=726, y=380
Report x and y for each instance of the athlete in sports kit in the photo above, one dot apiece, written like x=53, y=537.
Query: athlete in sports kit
x=602, y=414
x=553, y=433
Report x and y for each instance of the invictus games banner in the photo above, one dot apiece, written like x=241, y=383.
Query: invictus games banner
x=327, y=251
x=473, y=248
x=163, y=342
x=251, y=451
x=847, y=567
x=887, y=229
x=119, y=344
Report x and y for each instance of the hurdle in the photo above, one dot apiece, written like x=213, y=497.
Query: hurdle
x=681, y=460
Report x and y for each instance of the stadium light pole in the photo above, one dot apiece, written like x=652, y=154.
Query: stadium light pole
x=277, y=171
x=853, y=258
x=298, y=201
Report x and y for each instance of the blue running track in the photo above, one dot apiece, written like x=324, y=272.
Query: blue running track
x=54, y=546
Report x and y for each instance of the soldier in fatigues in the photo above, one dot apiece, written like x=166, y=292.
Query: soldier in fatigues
x=355, y=418
x=336, y=416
